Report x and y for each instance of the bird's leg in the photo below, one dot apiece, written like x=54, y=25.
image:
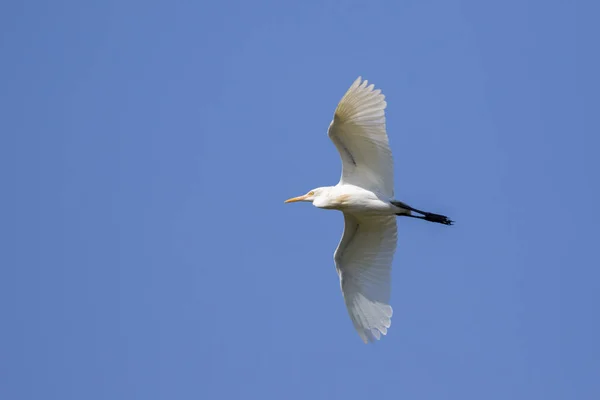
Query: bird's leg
x=427, y=216
x=440, y=219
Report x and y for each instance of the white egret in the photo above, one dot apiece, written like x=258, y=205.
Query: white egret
x=365, y=194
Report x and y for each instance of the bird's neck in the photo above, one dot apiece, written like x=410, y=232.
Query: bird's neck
x=326, y=198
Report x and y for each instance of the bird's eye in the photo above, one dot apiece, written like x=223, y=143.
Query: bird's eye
x=311, y=193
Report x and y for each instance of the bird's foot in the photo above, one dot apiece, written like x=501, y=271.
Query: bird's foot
x=441, y=219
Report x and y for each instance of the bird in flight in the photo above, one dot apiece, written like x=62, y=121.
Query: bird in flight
x=365, y=195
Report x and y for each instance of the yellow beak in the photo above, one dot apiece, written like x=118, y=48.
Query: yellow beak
x=295, y=199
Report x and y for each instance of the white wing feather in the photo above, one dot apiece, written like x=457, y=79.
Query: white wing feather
x=359, y=133
x=363, y=261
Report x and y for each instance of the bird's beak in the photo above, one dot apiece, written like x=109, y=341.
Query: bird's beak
x=295, y=199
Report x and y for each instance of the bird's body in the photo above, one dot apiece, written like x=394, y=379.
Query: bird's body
x=365, y=195
x=355, y=200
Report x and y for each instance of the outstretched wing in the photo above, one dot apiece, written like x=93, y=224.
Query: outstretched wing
x=363, y=261
x=358, y=131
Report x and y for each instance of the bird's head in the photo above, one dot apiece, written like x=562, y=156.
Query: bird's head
x=310, y=196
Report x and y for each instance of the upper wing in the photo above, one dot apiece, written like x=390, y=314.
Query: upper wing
x=363, y=261
x=358, y=132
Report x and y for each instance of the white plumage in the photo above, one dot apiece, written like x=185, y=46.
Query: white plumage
x=358, y=131
x=363, y=261
x=365, y=194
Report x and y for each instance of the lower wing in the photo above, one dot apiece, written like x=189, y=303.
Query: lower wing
x=363, y=260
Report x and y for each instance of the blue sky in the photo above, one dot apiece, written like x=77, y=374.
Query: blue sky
x=146, y=149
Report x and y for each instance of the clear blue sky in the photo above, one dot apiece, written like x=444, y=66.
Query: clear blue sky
x=146, y=149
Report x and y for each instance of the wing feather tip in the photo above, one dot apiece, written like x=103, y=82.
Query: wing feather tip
x=372, y=332
x=371, y=335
